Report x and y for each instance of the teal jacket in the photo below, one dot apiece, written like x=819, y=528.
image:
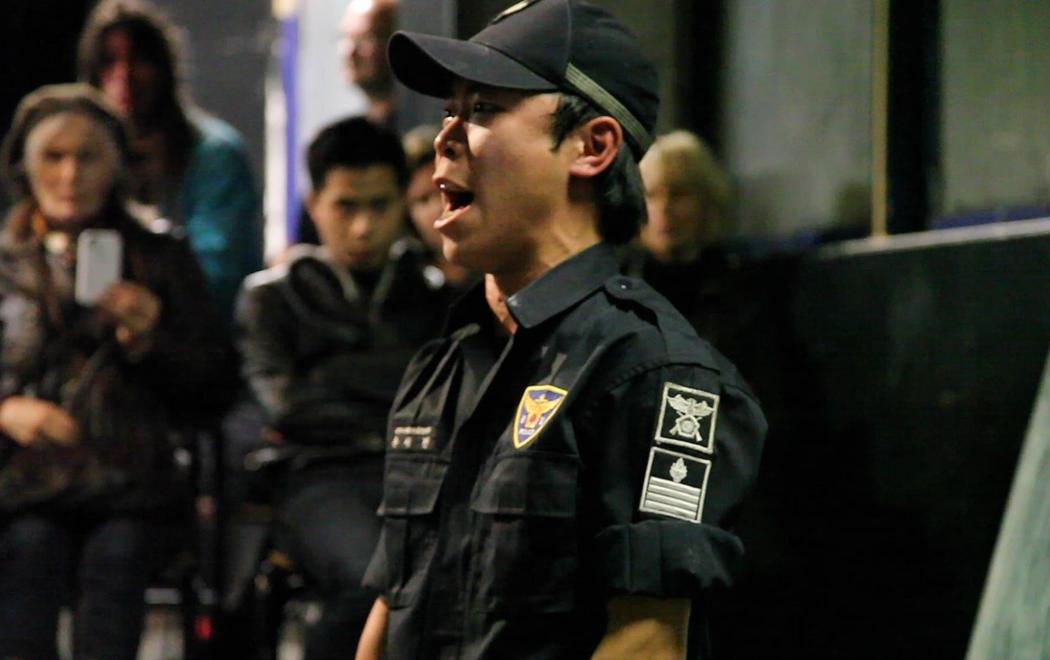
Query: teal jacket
x=218, y=207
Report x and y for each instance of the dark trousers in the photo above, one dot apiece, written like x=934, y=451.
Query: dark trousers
x=102, y=568
x=327, y=522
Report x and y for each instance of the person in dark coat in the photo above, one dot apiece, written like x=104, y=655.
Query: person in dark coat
x=324, y=339
x=92, y=392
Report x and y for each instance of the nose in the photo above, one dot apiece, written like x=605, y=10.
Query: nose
x=362, y=224
x=69, y=169
x=120, y=70
x=452, y=138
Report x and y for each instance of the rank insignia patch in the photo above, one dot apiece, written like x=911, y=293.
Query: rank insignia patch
x=687, y=418
x=537, y=406
x=675, y=485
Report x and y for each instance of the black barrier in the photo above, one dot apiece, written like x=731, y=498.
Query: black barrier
x=898, y=385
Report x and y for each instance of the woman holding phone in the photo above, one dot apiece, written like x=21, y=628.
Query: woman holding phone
x=91, y=391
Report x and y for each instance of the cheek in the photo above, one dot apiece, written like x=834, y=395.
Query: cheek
x=684, y=213
x=392, y=222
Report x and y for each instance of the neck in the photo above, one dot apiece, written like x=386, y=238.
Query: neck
x=572, y=233
x=380, y=105
x=496, y=297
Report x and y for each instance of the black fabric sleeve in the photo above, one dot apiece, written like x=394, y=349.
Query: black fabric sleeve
x=663, y=487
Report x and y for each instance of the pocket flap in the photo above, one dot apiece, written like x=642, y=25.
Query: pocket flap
x=411, y=487
x=530, y=484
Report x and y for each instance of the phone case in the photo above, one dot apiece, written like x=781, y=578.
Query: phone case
x=99, y=261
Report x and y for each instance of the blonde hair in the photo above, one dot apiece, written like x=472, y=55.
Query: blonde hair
x=685, y=153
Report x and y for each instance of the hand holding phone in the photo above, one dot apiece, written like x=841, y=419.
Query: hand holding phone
x=100, y=258
x=135, y=310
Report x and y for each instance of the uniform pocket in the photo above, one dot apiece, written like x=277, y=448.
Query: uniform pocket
x=526, y=545
x=410, y=492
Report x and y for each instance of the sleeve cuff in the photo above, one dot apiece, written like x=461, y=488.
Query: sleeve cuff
x=667, y=558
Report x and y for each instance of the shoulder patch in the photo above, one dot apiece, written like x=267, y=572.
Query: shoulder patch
x=687, y=418
x=538, y=404
x=675, y=485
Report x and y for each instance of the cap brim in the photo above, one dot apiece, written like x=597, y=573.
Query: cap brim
x=429, y=65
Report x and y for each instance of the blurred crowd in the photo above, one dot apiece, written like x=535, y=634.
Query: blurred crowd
x=121, y=412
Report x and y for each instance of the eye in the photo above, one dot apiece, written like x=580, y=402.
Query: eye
x=484, y=108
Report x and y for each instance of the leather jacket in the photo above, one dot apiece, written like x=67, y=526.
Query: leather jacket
x=322, y=356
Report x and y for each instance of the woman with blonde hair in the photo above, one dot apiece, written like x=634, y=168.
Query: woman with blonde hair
x=91, y=391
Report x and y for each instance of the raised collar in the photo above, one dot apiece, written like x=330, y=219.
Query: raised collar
x=563, y=286
x=553, y=292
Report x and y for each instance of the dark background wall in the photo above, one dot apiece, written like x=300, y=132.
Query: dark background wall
x=228, y=51
x=24, y=66
x=899, y=384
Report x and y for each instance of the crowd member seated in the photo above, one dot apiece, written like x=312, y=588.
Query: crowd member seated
x=324, y=339
x=91, y=391
x=680, y=250
x=425, y=205
x=192, y=168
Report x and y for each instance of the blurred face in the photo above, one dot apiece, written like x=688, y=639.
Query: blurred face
x=358, y=212
x=72, y=163
x=127, y=80
x=425, y=205
x=501, y=182
x=366, y=28
x=675, y=228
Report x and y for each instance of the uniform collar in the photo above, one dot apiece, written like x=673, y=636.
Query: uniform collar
x=563, y=286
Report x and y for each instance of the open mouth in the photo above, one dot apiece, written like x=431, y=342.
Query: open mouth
x=457, y=199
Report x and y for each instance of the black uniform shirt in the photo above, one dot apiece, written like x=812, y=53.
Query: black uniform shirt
x=601, y=450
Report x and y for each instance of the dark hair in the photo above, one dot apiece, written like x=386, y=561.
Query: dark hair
x=155, y=39
x=43, y=103
x=618, y=189
x=354, y=142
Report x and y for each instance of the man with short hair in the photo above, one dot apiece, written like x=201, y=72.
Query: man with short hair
x=563, y=469
x=324, y=339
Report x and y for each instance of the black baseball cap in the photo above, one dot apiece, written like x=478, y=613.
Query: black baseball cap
x=540, y=46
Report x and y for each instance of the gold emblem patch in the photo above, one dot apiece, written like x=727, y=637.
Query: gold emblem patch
x=536, y=408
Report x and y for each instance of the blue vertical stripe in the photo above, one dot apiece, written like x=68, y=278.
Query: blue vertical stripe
x=290, y=84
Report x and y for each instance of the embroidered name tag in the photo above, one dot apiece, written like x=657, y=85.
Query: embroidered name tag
x=412, y=437
x=675, y=485
x=687, y=417
x=538, y=404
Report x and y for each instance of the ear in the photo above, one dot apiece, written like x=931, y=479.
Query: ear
x=599, y=140
x=310, y=202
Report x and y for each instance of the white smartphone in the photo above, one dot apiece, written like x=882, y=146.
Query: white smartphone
x=100, y=260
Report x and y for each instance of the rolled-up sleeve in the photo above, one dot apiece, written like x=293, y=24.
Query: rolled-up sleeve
x=672, y=451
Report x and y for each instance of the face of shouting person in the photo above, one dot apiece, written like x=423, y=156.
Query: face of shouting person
x=503, y=184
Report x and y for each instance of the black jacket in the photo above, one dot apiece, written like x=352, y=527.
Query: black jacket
x=322, y=354
x=603, y=449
